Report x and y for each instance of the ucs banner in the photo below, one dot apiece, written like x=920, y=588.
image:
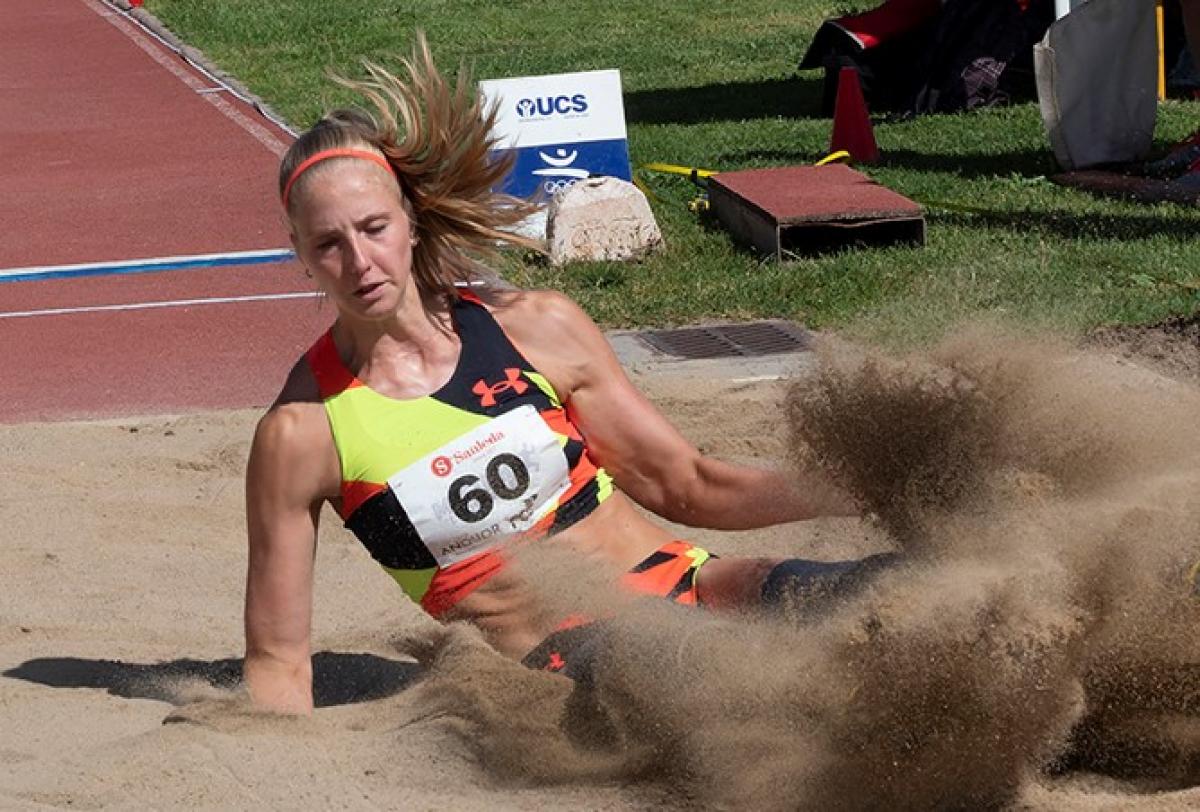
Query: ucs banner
x=561, y=128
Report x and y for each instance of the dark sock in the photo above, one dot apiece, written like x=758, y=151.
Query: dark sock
x=805, y=586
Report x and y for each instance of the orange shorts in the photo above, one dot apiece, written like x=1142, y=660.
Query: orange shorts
x=669, y=572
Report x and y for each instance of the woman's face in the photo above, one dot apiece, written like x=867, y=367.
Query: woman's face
x=351, y=230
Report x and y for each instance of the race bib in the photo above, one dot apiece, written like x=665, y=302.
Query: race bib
x=491, y=483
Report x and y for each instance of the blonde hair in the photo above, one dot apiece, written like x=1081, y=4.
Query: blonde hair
x=437, y=137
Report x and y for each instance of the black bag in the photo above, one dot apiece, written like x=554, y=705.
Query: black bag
x=981, y=54
x=974, y=53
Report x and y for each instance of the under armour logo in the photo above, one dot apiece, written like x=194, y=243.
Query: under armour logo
x=487, y=392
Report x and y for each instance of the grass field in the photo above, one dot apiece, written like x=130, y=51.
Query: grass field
x=717, y=88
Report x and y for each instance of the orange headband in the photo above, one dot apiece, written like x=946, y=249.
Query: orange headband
x=326, y=154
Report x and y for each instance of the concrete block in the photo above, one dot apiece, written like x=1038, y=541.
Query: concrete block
x=601, y=219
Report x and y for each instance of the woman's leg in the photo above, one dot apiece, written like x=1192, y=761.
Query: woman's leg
x=733, y=583
x=794, y=584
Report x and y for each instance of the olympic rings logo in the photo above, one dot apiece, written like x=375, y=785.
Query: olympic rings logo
x=553, y=187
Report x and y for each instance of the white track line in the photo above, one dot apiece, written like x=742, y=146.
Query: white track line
x=253, y=128
x=63, y=311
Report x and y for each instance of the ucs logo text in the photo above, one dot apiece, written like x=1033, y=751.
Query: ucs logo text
x=549, y=105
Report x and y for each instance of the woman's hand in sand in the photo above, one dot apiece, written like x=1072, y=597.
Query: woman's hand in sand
x=278, y=686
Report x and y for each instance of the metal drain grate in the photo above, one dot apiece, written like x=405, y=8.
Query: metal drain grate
x=729, y=340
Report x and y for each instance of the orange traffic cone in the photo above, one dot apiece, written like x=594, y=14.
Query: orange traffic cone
x=852, y=129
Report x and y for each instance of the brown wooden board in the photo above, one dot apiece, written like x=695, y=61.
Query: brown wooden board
x=812, y=209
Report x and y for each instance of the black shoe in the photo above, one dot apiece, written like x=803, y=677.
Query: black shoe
x=807, y=587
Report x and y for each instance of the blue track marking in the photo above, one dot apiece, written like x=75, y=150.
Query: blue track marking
x=146, y=265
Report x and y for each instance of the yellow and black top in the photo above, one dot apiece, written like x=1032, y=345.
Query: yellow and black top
x=432, y=485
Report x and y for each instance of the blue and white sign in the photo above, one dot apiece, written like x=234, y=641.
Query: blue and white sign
x=562, y=128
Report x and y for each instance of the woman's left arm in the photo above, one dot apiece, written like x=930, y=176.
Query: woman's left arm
x=647, y=457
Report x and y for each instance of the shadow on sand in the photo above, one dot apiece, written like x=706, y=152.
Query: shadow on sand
x=338, y=678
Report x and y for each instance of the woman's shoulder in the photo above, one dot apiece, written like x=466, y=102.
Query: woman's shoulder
x=296, y=418
x=293, y=454
x=554, y=333
x=300, y=386
x=293, y=461
x=544, y=312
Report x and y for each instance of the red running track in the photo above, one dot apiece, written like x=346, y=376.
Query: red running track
x=112, y=148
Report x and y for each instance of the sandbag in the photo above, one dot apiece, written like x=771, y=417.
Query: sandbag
x=1097, y=81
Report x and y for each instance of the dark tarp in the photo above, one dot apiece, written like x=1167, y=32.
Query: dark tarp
x=926, y=56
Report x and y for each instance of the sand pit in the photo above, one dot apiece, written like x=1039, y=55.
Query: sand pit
x=1036, y=651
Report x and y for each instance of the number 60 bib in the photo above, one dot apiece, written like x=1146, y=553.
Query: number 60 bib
x=491, y=483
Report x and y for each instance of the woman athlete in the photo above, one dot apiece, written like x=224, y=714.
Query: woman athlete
x=445, y=418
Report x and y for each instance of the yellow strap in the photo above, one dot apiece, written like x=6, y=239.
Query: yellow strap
x=841, y=156
x=696, y=173
x=646, y=190
x=687, y=171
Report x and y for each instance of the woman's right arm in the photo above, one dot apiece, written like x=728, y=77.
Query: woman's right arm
x=285, y=487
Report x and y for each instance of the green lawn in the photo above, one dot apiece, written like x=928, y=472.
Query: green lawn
x=718, y=89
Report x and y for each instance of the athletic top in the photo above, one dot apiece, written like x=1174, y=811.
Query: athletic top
x=431, y=485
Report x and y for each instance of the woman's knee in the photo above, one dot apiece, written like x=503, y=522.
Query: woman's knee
x=732, y=583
